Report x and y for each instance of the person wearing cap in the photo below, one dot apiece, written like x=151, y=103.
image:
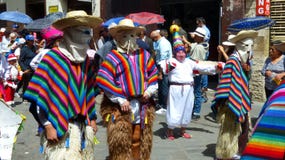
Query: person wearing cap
x=231, y=103
x=163, y=50
x=180, y=71
x=226, y=49
x=128, y=77
x=28, y=52
x=198, y=52
x=273, y=68
x=63, y=87
x=10, y=79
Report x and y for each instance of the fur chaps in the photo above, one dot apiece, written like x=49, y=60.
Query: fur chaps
x=120, y=130
x=227, y=144
x=59, y=151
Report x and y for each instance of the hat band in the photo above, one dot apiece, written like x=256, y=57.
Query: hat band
x=201, y=34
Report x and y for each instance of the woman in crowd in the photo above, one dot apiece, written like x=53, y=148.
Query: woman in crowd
x=273, y=68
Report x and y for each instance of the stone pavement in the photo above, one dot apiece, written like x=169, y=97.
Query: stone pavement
x=200, y=147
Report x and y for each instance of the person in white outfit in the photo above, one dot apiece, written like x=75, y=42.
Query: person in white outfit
x=180, y=71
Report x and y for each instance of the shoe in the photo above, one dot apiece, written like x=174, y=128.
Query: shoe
x=170, y=136
x=17, y=95
x=196, y=117
x=161, y=111
x=186, y=135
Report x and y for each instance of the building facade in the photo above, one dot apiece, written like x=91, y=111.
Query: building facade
x=218, y=14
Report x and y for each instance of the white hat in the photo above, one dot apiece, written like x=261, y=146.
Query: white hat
x=2, y=30
x=201, y=32
x=21, y=40
x=124, y=24
x=228, y=43
x=77, y=18
x=243, y=35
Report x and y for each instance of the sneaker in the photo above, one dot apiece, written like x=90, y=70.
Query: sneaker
x=17, y=95
x=196, y=117
x=161, y=111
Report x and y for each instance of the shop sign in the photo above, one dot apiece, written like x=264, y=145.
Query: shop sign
x=262, y=7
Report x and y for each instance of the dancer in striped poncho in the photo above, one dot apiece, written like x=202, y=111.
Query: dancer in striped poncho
x=63, y=86
x=128, y=76
x=232, y=102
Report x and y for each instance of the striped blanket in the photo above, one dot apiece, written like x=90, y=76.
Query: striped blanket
x=63, y=89
x=233, y=86
x=268, y=139
x=127, y=75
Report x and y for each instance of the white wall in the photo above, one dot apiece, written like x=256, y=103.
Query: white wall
x=19, y=5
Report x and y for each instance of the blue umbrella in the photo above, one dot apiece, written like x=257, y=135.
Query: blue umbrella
x=41, y=23
x=15, y=16
x=115, y=20
x=251, y=23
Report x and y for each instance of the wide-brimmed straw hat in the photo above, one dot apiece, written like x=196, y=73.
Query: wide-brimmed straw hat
x=279, y=45
x=228, y=43
x=124, y=24
x=77, y=18
x=243, y=35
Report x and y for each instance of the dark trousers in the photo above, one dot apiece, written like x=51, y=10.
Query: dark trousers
x=163, y=91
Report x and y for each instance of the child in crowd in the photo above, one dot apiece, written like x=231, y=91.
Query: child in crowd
x=180, y=71
x=10, y=79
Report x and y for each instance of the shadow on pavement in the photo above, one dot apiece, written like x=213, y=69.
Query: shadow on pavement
x=210, y=150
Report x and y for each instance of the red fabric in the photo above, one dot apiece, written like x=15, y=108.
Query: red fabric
x=9, y=94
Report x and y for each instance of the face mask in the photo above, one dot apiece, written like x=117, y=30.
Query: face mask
x=126, y=41
x=244, y=48
x=79, y=35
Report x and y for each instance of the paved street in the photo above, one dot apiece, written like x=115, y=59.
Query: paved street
x=200, y=147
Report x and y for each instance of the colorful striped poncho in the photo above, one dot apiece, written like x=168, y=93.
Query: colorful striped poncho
x=63, y=89
x=127, y=75
x=233, y=86
x=268, y=139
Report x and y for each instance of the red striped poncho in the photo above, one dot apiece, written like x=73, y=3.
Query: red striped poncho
x=63, y=89
x=126, y=75
x=233, y=86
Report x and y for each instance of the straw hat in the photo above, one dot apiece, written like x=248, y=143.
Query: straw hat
x=77, y=18
x=279, y=45
x=243, y=35
x=124, y=24
x=228, y=43
x=199, y=31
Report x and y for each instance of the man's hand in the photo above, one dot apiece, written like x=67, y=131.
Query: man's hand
x=51, y=134
x=94, y=126
x=125, y=107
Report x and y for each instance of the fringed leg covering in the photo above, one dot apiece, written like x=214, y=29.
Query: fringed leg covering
x=136, y=142
x=59, y=151
x=119, y=131
x=147, y=134
x=89, y=150
x=227, y=143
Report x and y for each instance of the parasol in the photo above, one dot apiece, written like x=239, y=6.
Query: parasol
x=15, y=16
x=251, y=23
x=267, y=141
x=145, y=18
x=41, y=23
x=115, y=20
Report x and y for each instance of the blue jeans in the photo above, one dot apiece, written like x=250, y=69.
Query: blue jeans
x=198, y=95
x=163, y=91
x=204, y=81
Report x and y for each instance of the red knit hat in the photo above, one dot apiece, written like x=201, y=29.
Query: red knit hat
x=11, y=57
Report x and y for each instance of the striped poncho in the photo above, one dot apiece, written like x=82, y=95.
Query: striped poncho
x=233, y=86
x=127, y=75
x=63, y=89
x=268, y=139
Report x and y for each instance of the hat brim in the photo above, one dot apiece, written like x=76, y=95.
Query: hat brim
x=114, y=30
x=280, y=46
x=11, y=59
x=243, y=35
x=89, y=21
x=227, y=43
